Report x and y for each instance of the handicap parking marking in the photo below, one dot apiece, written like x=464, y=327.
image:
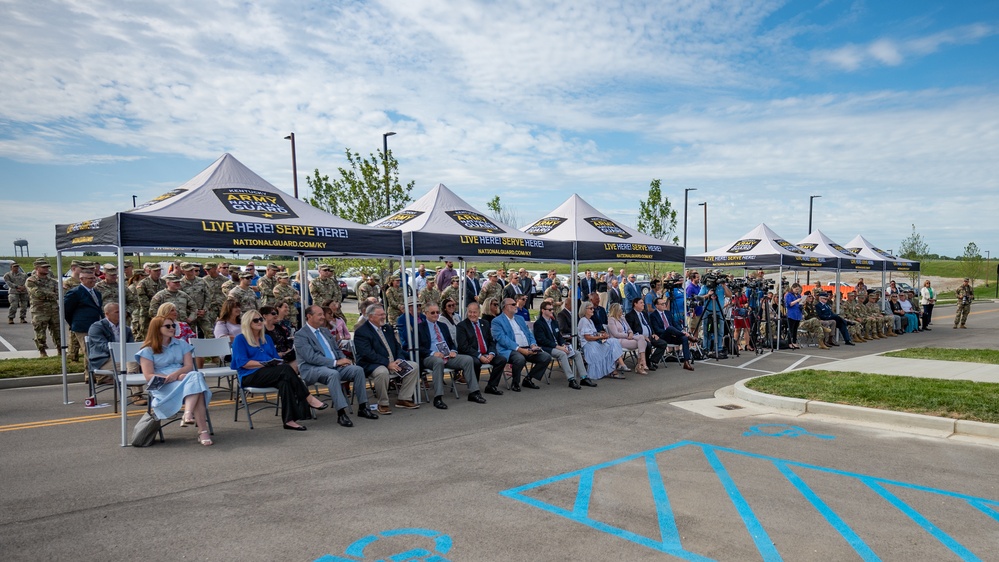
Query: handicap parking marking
x=438, y=541
x=783, y=430
x=668, y=539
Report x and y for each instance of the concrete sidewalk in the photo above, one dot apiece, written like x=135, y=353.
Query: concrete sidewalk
x=881, y=365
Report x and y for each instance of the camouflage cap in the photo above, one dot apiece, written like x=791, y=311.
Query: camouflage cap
x=154, y=267
x=393, y=278
x=75, y=263
x=283, y=275
x=127, y=263
x=556, y=281
x=210, y=264
x=375, y=277
x=172, y=278
x=325, y=267
x=189, y=266
x=272, y=265
x=246, y=275
x=110, y=268
x=42, y=262
x=223, y=264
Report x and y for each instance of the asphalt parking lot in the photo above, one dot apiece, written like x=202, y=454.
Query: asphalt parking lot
x=615, y=472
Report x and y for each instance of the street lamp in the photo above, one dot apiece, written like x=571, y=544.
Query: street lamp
x=685, y=192
x=811, y=199
x=294, y=162
x=388, y=196
x=133, y=201
x=705, y=205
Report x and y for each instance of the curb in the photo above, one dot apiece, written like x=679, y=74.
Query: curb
x=871, y=415
x=40, y=380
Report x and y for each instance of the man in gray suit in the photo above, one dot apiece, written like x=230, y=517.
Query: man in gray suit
x=320, y=360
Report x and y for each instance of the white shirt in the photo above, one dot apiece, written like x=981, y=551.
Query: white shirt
x=421, y=283
x=906, y=306
x=518, y=334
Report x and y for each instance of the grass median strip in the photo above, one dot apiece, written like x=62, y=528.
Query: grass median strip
x=988, y=356
x=962, y=400
x=12, y=368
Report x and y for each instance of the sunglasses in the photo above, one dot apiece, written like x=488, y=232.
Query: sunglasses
x=433, y=312
x=258, y=319
x=169, y=326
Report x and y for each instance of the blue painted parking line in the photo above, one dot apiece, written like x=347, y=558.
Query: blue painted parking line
x=783, y=430
x=669, y=539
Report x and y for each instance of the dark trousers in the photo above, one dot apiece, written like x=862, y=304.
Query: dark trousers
x=674, y=336
x=792, y=330
x=496, y=370
x=518, y=362
x=292, y=391
x=927, y=314
x=841, y=326
x=655, y=351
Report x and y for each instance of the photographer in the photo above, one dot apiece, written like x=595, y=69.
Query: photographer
x=713, y=294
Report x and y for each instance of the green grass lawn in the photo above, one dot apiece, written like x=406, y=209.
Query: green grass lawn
x=12, y=368
x=963, y=400
x=990, y=356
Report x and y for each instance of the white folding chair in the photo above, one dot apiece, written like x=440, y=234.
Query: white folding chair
x=125, y=381
x=215, y=347
x=92, y=374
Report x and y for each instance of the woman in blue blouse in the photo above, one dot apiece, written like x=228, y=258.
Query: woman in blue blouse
x=251, y=350
x=163, y=355
x=792, y=302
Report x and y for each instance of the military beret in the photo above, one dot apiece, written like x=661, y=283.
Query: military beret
x=246, y=275
x=154, y=267
x=42, y=262
x=283, y=275
x=189, y=267
x=110, y=268
x=172, y=278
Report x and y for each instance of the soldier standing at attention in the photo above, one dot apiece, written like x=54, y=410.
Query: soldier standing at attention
x=452, y=291
x=244, y=293
x=554, y=292
x=108, y=288
x=430, y=295
x=186, y=310
x=197, y=289
x=44, y=293
x=266, y=284
x=231, y=274
x=325, y=288
x=145, y=291
x=965, y=294
x=17, y=293
x=213, y=288
x=284, y=293
x=492, y=288
x=394, y=303
x=367, y=290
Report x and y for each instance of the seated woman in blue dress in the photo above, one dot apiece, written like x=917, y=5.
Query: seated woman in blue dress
x=603, y=354
x=163, y=355
x=251, y=351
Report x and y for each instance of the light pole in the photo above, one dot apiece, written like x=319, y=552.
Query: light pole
x=133, y=201
x=388, y=197
x=705, y=205
x=811, y=200
x=987, y=258
x=685, y=193
x=294, y=162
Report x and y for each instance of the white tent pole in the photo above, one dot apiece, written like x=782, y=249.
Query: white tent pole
x=838, y=299
x=303, y=280
x=122, y=329
x=572, y=295
x=62, y=329
x=460, y=306
x=884, y=289
x=780, y=299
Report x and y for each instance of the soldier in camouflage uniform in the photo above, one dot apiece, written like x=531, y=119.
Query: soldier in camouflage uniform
x=873, y=312
x=492, y=288
x=453, y=291
x=76, y=267
x=17, y=293
x=394, y=303
x=872, y=324
x=554, y=292
x=231, y=274
x=186, y=310
x=244, y=293
x=325, y=288
x=145, y=291
x=44, y=292
x=108, y=288
x=965, y=294
x=266, y=284
x=213, y=288
x=887, y=320
x=197, y=289
x=284, y=293
x=811, y=323
x=854, y=325
x=368, y=289
x=430, y=295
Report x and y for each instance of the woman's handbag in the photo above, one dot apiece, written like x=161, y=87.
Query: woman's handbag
x=145, y=431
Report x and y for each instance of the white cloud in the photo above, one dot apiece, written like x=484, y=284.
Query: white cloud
x=893, y=52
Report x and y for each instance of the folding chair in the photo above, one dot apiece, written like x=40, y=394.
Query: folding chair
x=92, y=373
x=264, y=404
x=216, y=347
x=426, y=375
x=124, y=381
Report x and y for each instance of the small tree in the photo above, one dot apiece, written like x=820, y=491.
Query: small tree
x=503, y=214
x=657, y=218
x=916, y=249
x=972, y=264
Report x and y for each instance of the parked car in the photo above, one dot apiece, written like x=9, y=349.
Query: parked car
x=4, y=269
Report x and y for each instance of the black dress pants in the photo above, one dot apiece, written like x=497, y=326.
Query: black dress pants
x=292, y=391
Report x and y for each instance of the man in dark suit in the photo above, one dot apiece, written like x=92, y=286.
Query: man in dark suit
x=565, y=319
x=614, y=293
x=472, y=286
x=321, y=361
x=378, y=352
x=103, y=332
x=549, y=337
x=639, y=322
x=475, y=339
x=82, y=306
x=526, y=284
x=513, y=288
x=599, y=313
x=587, y=285
x=661, y=328
x=631, y=292
x=438, y=350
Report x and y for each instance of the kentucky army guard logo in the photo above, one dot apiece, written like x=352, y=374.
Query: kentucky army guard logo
x=608, y=227
x=399, y=219
x=478, y=222
x=743, y=246
x=545, y=225
x=255, y=203
x=789, y=246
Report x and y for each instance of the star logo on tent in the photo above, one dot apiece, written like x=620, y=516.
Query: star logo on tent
x=268, y=216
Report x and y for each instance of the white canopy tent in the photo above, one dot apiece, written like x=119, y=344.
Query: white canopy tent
x=864, y=249
x=821, y=244
x=225, y=208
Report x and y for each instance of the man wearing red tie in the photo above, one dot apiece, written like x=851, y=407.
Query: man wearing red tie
x=475, y=339
x=438, y=350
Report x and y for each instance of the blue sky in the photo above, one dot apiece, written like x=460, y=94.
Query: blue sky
x=889, y=110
